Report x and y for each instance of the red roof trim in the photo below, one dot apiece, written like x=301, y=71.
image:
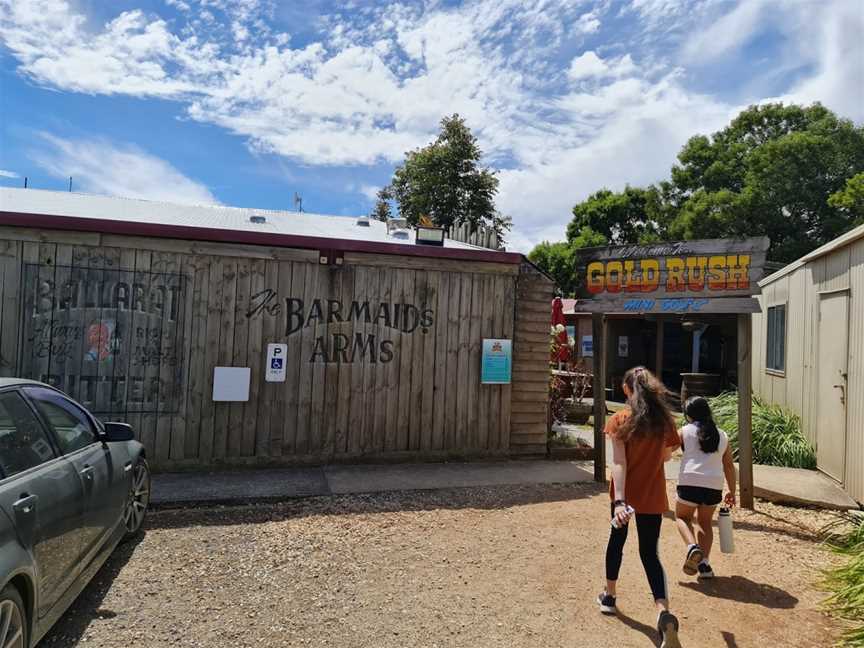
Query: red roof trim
x=158, y=230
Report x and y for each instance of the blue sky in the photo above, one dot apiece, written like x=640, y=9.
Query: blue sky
x=245, y=102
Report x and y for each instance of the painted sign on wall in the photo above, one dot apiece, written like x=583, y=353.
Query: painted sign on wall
x=334, y=347
x=112, y=339
x=683, y=277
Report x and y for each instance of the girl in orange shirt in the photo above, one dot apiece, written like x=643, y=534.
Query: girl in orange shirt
x=643, y=436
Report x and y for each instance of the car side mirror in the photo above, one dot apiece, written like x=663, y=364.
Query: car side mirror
x=116, y=431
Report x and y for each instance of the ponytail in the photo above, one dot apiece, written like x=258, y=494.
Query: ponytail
x=649, y=412
x=698, y=410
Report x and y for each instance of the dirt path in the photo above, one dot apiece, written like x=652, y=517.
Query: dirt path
x=475, y=568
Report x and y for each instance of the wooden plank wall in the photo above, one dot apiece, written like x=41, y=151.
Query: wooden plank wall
x=530, y=389
x=426, y=403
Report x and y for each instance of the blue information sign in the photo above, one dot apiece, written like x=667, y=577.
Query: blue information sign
x=497, y=362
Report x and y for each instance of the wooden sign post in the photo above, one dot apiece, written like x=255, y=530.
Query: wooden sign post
x=684, y=278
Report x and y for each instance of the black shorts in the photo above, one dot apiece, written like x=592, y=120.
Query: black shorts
x=699, y=496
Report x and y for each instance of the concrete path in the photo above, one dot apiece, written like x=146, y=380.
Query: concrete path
x=772, y=483
x=792, y=486
x=234, y=487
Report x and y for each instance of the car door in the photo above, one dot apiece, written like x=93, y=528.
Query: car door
x=40, y=491
x=75, y=432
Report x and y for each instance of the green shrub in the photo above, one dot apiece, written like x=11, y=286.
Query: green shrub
x=846, y=582
x=777, y=437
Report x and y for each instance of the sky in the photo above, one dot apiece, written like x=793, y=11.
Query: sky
x=247, y=102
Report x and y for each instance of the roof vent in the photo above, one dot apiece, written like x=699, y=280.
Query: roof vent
x=363, y=221
x=402, y=234
x=396, y=224
x=257, y=219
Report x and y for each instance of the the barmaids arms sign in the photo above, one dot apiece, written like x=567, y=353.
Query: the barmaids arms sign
x=709, y=276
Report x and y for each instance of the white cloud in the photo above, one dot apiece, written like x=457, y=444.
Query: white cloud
x=99, y=166
x=378, y=78
x=8, y=174
x=589, y=65
x=730, y=32
x=834, y=48
x=370, y=191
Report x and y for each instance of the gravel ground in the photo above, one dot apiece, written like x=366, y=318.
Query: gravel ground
x=483, y=567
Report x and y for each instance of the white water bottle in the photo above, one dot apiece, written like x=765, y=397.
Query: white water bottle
x=724, y=522
x=629, y=510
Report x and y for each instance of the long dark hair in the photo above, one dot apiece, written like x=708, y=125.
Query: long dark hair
x=649, y=412
x=698, y=410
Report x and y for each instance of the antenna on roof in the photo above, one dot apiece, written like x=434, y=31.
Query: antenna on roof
x=298, y=202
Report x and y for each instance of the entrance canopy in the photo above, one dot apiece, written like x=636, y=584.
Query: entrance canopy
x=689, y=279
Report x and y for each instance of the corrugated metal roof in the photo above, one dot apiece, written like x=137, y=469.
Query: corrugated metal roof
x=214, y=217
x=841, y=241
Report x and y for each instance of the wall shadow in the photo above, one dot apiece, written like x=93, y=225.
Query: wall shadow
x=743, y=590
x=70, y=628
x=480, y=498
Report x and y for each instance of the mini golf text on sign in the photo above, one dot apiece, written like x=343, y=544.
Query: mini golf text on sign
x=683, y=277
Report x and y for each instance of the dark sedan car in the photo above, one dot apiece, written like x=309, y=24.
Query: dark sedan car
x=71, y=487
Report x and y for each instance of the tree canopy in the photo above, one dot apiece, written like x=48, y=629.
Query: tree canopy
x=446, y=182
x=381, y=210
x=793, y=173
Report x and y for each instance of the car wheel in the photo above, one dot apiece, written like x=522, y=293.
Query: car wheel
x=13, y=619
x=137, y=500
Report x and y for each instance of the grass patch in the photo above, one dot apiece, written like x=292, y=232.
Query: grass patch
x=568, y=441
x=846, y=582
x=777, y=437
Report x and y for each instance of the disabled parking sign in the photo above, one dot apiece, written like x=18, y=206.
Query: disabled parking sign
x=276, y=355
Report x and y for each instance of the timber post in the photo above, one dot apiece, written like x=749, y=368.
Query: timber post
x=599, y=351
x=745, y=410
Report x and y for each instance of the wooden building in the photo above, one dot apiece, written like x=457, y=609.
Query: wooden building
x=809, y=352
x=130, y=307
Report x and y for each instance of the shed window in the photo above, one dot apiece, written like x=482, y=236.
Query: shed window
x=775, y=358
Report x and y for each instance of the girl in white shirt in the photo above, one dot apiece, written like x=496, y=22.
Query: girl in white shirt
x=707, y=460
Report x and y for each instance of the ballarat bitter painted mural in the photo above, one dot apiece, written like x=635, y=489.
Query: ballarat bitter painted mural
x=111, y=338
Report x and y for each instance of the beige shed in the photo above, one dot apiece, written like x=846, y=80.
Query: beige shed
x=808, y=352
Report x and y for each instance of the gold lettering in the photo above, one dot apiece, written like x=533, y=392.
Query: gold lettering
x=696, y=267
x=675, y=275
x=596, y=280
x=739, y=272
x=717, y=273
x=613, y=283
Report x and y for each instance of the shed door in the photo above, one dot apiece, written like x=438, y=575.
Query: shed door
x=832, y=396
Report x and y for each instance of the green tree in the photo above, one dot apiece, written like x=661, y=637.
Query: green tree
x=381, y=210
x=558, y=260
x=850, y=199
x=635, y=215
x=770, y=172
x=446, y=182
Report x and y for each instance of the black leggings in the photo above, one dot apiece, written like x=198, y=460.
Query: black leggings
x=648, y=529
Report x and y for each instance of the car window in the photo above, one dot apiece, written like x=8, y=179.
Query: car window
x=23, y=442
x=69, y=422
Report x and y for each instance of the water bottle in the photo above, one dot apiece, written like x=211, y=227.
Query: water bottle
x=629, y=510
x=724, y=522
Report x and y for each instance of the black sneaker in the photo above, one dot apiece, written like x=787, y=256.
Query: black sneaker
x=606, y=603
x=667, y=626
x=694, y=557
x=705, y=571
